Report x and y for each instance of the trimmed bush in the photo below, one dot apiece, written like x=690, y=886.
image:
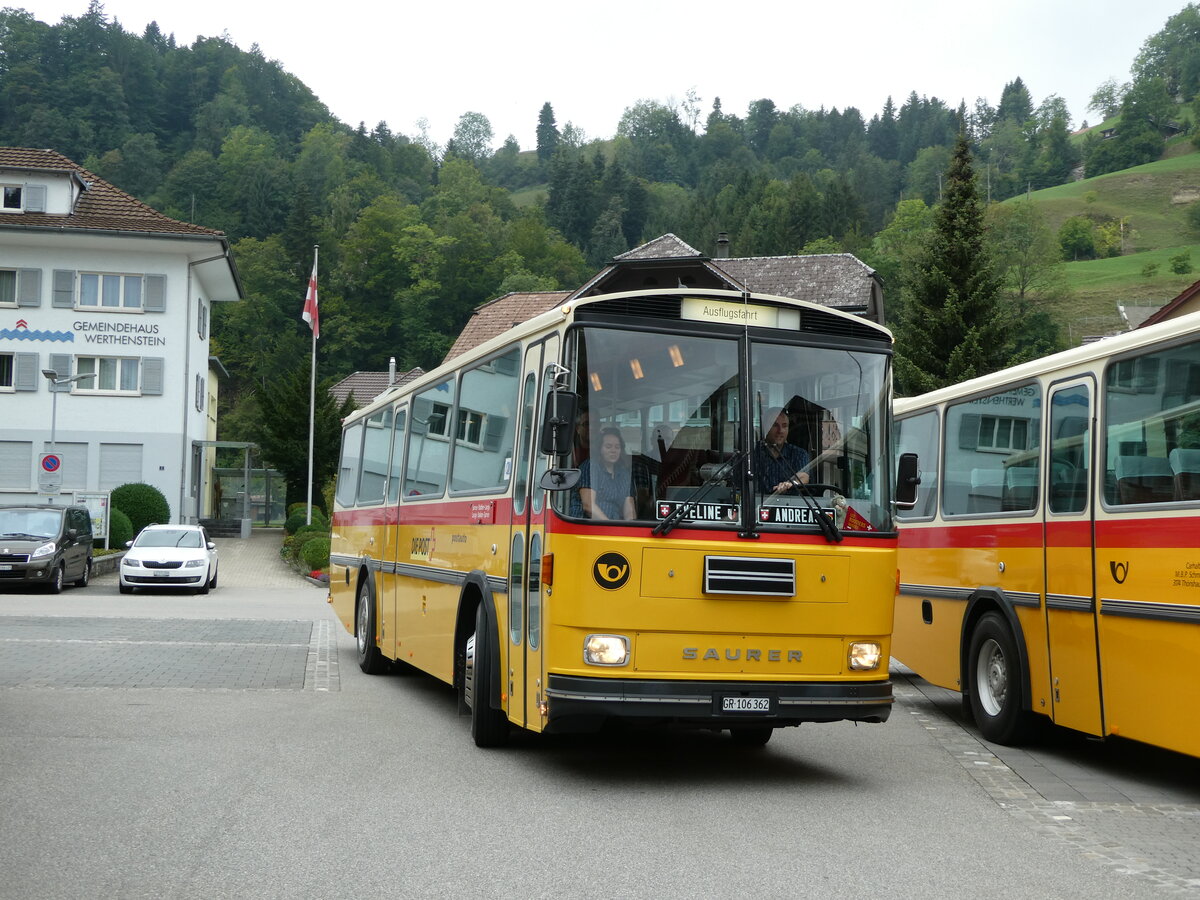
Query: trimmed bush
x=314, y=529
x=302, y=508
x=144, y=504
x=315, y=553
x=120, y=530
x=294, y=521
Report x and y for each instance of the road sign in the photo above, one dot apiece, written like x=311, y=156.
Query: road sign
x=50, y=473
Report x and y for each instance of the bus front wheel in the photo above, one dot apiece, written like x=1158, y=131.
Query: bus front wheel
x=489, y=727
x=995, y=682
x=370, y=660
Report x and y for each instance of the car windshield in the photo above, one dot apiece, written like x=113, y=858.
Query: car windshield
x=663, y=420
x=170, y=537
x=29, y=524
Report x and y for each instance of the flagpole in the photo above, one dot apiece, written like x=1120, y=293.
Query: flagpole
x=312, y=402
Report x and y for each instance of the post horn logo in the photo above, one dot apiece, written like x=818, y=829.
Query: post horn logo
x=1119, y=570
x=611, y=571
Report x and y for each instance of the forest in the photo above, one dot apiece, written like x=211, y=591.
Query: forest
x=414, y=236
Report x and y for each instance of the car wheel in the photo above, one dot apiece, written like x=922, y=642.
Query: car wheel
x=370, y=660
x=203, y=589
x=213, y=583
x=124, y=588
x=56, y=580
x=996, y=681
x=86, y=577
x=489, y=727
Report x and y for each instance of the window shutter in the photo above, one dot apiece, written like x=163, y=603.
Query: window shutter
x=154, y=297
x=29, y=287
x=152, y=375
x=64, y=289
x=25, y=371
x=495, y=432
x=61, y=363
x=968, y=432
x=199, y=393
x=35, y=198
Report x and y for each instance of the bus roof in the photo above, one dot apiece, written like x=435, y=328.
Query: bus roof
x=565, y=313
x=1067, y=359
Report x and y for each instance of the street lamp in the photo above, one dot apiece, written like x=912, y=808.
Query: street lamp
x=55, y=381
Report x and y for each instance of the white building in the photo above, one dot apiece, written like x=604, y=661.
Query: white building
x=97, y=286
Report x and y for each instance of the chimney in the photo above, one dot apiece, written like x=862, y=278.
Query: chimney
x=391, y=371
x=722, y=245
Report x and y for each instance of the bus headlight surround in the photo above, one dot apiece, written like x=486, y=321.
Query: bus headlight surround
x=865, y=655
x=606, y=650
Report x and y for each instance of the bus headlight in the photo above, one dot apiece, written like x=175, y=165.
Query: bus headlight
x=606, y=650
x=865, y=655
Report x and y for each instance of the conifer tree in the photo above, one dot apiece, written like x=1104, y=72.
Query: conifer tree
x=956, y=324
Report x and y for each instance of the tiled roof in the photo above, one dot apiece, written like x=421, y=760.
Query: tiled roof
x=497, y=316
x=839, y=280
x=366, y=386
x=666, y=247
x=101, y=206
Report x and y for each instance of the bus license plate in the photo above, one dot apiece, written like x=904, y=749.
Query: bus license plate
x=746, y=704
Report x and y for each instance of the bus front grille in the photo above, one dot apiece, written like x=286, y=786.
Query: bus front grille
x=749, y=575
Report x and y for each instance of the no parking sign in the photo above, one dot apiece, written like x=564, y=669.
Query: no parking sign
x=50, y=473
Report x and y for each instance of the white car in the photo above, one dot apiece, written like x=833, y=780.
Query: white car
x=170, y=556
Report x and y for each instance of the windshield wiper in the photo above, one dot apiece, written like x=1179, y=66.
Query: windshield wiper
x=695, y=497
x=832, y=533
x=24, y=536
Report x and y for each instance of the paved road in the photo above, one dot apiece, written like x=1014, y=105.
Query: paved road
x=161, y=745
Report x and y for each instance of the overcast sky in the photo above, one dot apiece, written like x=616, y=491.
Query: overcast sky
x=401, y=62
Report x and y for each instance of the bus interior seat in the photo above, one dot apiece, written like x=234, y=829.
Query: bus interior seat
x=1020, y=488
x=1068, y=488
x=987, y=488
x=1185, y=469
x=1144, y=479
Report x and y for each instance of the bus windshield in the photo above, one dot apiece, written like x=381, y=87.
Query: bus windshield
x=664, y=419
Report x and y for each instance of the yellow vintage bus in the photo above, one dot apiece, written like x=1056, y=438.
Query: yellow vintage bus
x=571, y=523
x=1051, y=565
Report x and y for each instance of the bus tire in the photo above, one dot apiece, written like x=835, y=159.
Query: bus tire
x=751, y=735
x=370, y=660
x=489, y=727
x=996, y=682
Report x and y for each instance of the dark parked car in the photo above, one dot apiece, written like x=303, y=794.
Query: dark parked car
x=46, y=545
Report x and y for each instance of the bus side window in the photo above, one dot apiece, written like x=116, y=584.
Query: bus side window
x=919, y=435
x=348, y=466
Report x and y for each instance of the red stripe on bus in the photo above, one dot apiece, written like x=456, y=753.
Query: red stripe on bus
x=1148, y=534
x=1025, y=534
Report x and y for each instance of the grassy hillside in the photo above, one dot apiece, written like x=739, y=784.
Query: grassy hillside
x=1152, y=202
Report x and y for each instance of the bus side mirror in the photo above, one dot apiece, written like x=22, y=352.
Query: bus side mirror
x=908, y=476
x=557, y=423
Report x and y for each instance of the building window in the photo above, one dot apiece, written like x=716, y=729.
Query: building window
x=12, y=198
x=104, y=291
x=6, y=371
x=1003, y=434
x=8, y=287
x=470, y=428
x=114, y=375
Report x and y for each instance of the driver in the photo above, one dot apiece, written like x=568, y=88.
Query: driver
x=779, y=464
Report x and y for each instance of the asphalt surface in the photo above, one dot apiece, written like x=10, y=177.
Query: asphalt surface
x=1115, y=813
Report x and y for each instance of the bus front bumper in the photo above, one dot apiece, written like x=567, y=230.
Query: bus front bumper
x=578, y=703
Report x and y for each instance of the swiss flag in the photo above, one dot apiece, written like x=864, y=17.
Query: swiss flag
x=310, y=304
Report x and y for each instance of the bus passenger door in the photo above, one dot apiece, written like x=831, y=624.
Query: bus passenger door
x=1071, y=624
x=525, y=679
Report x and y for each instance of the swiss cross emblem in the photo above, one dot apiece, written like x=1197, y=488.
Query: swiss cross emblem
x=664, y=509
x=764, y=514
